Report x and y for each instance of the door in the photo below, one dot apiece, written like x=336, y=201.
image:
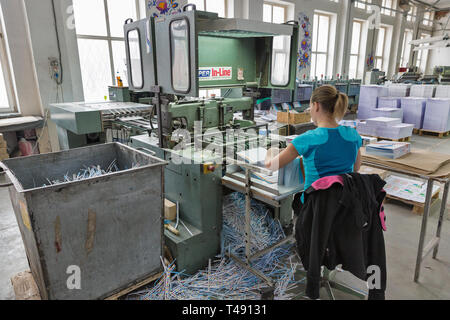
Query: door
x=176, y=53
x=140, y=51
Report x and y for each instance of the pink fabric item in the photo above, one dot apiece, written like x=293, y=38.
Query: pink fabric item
x=383, y=222
x=326, y=182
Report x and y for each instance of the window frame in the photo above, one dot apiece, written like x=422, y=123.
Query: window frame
x=109, y=38
x=316, y=53
x=411, y=17
x=358, y=54
x=420, y=55
x=362, y=5
x=402, y=57
x=272, y=4
x=7, y=77
x=389, y=10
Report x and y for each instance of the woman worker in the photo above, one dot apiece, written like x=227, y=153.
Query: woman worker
x=330, y=149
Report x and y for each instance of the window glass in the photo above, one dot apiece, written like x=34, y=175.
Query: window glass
x=356, y=33
x=217, y=6
x=135, y=58
x=353, y=67
x=322, y=40
x=380, y=42
x=95, y=68
x=315, y=33
x=199, y=4
x=279, y=14
x=4, y=102
x=119, y=11
x=321, y=65
x=120, y=60
x=281, y=61
x=267, y=13
x=90, y=17
x=179, y=37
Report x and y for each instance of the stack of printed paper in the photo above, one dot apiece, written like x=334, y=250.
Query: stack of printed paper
x=389, y=102
x=349, y=123
x=414, y=111
x=437, y=115
x=389, y=113
x=443, y=91
x=389, y=128
x=399, y=90
x=408, y=189
x=368, y=140
x=257, y=157
x=422, y=90
x=389, y=149
x=368, y=100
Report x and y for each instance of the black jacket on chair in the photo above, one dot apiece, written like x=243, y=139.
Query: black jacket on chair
x=343, y=224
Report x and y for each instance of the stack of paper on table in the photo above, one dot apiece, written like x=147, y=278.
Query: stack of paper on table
x=368, y=99
x=414, y=111
x=257, y=157
x=442, y=91
x=408, y=189
x=399, y=90
x=389, y=102
x=437, y=115
x=389, y=113
x=368, y=140
x=422, y=90
x=388, y=149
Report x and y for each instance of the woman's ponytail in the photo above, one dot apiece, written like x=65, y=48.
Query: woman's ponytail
x=331, y=100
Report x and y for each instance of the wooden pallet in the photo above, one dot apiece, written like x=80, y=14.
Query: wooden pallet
x=438, y=134
x=418, y=208
x=416, y=131
x=25, y=288
x=407, y=139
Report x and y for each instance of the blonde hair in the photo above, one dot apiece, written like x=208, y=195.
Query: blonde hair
x=331, y=100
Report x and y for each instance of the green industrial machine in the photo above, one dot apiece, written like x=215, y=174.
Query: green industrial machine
x=175, y=56
x=443, y=72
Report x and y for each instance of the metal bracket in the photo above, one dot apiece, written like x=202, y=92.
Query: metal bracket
x=4, y=185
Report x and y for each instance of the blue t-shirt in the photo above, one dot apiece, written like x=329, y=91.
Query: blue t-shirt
x=327, y=152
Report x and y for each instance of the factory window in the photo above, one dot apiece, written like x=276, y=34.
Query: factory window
x=406, y=48
x=274, y=13
x=320, y=45
x=7, y=96
x=355, y=53
x=422, y=56
x=218, y=6
x=388, y=7
x=428, y=18
x=364, y=5
x=101, y=42
x=412, y=14
x=381, y=46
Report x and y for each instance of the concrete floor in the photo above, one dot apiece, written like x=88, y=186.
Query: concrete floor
x=401, y=240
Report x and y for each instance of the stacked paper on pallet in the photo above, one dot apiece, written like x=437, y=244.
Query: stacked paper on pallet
x=389, y=128
x=422, y=90
x=414, y=111
x=389, y=113
x=399, y=90
x=443, y=91
x=437, y=115
x=389, y=102
x=388, y=149
x=368, y=140
x=368, y=99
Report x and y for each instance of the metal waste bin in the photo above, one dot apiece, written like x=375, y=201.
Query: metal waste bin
x=91, y=238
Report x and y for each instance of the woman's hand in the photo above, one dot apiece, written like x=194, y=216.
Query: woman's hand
x=286, y=156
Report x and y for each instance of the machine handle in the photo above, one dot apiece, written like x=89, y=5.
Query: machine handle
x=194, y=7
x=129, y=20
x=4, y=185
x=152, y=153
x=294, y=22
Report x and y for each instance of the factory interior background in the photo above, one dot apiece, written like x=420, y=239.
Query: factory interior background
x=94, y=95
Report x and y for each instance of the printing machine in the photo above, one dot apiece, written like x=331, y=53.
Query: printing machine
x=175, y=56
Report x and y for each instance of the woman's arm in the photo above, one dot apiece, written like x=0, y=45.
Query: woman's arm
x=358, y=162
x=285, y=157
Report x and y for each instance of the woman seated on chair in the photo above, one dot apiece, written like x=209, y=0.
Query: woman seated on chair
x=330, y=149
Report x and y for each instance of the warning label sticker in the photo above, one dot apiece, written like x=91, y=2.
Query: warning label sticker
x=215, y=73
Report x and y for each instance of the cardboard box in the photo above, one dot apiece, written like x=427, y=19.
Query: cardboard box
x=170, y=210
x=294, y=118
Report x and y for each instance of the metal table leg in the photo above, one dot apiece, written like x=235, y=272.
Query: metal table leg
x=423, y=230
x=441, y=217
